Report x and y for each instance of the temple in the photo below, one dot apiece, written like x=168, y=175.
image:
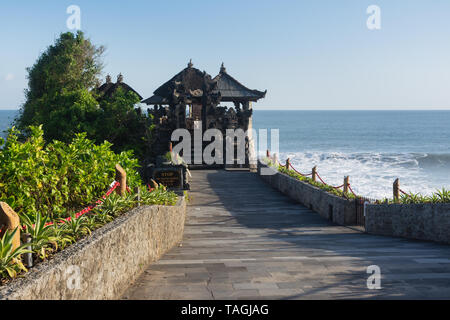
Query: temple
x=192, y=97
x=107, y=89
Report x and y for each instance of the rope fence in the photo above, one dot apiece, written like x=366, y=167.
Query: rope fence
x=120, y=175
x=346, y=187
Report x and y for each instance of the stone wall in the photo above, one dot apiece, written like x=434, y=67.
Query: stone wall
x=413, y=221
x=329, y=206
x=103, y=265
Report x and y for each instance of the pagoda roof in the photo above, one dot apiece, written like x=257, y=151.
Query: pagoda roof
x=192, y=80
x=232, y=90
x=155, y=99
x=108, y=88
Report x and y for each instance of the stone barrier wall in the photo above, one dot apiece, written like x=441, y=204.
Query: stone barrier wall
x=414, y=221
x=329, y=206
x=103, y=265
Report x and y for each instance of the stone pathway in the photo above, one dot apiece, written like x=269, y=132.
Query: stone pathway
x=244, y=240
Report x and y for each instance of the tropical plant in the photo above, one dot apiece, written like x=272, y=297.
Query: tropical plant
x=10, y=262
x=76, y=227
x=41, y=234
x=159, y=195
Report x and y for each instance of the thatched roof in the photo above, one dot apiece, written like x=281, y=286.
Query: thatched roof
x=156, y=100
x=192, y=80
x=233, y=90
x=108, y=88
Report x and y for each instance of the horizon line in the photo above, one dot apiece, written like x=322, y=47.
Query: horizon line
x=277, y=108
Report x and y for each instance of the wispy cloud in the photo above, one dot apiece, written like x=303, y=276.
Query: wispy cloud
x=10, y=77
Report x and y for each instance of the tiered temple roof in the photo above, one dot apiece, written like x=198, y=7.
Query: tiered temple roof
x=192, y=81
x=232, y=90
x=107, y=89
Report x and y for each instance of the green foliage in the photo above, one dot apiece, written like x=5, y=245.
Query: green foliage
x=10, y=263
x=58, y=178
x=125, y=126
x=41, y=233
x=76, y=227
x=62, y=97
x=49, y=238
x=158, y=196
x=317, y=184
x=440, y=196
x=59, y=84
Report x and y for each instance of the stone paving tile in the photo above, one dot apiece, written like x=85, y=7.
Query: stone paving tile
x=244, y=240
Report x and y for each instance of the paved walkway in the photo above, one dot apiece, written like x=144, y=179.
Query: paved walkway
x=244, y=240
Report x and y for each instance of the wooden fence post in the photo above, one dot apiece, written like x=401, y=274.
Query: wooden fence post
x=314, y=173
x=121, y=177
x=28, y=257
x=9, y=221
x=288, y=163
x=396, y=190
x=137, y=190
x=346, y=184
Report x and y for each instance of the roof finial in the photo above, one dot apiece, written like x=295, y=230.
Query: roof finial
x=190, y=63
x=108, y=79
x=120, y=78
x=222, y=68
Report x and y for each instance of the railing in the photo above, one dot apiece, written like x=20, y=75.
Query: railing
x=346, y=186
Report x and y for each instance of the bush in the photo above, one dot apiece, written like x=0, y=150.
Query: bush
x=57, y=179
x=46, y=183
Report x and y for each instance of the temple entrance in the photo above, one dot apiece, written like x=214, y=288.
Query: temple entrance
x=193, y=116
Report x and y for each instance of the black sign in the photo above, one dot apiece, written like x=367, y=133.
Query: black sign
x=169, y=177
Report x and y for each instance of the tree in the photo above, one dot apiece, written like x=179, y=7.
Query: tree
x=59, y=87
x=62, y=96
x=124, y=125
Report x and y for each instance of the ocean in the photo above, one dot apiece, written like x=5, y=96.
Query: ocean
x=372, y=147
x=6, y=118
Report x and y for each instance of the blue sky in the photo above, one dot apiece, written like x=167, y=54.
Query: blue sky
x=307, y=54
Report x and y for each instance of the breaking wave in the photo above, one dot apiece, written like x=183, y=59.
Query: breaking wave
x=372, y=174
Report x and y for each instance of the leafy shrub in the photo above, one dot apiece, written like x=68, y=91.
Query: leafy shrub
x=10, y=263
x=57, y=179
x=48, y=183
